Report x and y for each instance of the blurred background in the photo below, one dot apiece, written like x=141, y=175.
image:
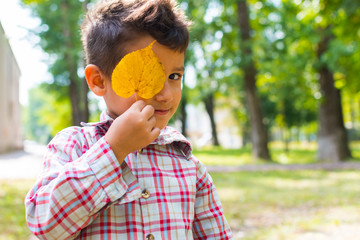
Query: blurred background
x=267, y=83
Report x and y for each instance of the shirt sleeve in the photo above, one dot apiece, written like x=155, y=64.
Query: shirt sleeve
x=75, y=186
x=209, y=220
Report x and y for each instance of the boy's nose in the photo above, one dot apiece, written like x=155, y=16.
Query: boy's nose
x=165, y=95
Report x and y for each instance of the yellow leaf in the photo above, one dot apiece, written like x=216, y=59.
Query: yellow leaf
x=139, y=72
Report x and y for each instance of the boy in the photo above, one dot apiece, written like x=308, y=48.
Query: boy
x=128, y=176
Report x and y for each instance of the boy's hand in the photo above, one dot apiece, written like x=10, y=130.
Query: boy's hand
x=132, y=130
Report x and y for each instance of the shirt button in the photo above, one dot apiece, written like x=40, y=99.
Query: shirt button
x=145, y=194
x=141, y=151
x=150, y=237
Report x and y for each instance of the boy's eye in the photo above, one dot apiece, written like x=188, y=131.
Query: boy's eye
x=175, y=76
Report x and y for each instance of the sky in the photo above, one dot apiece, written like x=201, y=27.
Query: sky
x=16, y=22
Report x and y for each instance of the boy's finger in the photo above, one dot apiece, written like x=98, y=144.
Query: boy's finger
x=152, y=121
x=155, y=132
x=148, y=111
x=139, y=105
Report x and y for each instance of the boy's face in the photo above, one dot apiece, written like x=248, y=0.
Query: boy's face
x=167, y=100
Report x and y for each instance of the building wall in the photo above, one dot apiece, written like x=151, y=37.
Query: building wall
x=10, y=108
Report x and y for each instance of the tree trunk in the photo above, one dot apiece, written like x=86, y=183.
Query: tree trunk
x=183, y=103
x=333, y=142
x=183, y=116
x=77, y=91
x=209, y=105
x=85, y=89
x=79, y=99
x=246, y=134
x=259, y=136
x=354, y=119
x=85, y=114
x=74, y=99
x=286, y=139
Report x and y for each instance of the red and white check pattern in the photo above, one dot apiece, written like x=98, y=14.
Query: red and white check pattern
x=84, y=193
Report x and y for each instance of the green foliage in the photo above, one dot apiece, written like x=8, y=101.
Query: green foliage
x=47, y=113
x=284, y=39
x=34, y=130
x=54, y=112
x=340, y=19
x=59, y=34
x=28, y=2
x=282, y=55
x=281, y=52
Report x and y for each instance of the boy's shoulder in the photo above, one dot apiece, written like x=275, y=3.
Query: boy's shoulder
x=86, y=134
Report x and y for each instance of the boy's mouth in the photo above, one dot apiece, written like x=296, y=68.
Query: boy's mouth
x=162, y=111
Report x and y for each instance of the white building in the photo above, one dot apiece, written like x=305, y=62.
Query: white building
x=10, y=108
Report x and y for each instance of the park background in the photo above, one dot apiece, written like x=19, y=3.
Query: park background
x=268, y=84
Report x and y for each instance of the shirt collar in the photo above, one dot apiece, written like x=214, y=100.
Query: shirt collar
x=168, y=135
x=105, y=119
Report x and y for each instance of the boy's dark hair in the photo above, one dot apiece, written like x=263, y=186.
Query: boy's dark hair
x=112, y=24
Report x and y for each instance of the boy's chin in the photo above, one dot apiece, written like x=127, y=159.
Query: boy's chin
x=161, y=125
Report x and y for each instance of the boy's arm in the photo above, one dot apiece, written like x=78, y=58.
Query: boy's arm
x=77, y=185
x=209, y=220
x=74, y=187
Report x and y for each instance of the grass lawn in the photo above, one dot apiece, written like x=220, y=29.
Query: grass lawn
x=12, y=209
x=258, y=205
x=314, y=205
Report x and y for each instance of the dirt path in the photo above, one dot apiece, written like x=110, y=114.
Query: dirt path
x=25, y=164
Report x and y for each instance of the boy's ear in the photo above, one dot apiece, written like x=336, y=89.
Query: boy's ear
x=95, y=80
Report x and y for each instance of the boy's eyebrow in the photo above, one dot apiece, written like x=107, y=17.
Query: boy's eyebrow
x=180, y=69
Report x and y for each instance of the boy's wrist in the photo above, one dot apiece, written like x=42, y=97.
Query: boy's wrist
x=119, y=153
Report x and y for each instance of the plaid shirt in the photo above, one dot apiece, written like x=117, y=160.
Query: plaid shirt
x=159, y=192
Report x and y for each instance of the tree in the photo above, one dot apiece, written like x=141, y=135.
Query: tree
x=259, y=136
x=47, y=113
x=333, y=141
x=202, y=36
x=60, y=38
x=343, y=58
x=284, y=80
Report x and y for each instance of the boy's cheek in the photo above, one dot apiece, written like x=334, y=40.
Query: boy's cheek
x=116, y=105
